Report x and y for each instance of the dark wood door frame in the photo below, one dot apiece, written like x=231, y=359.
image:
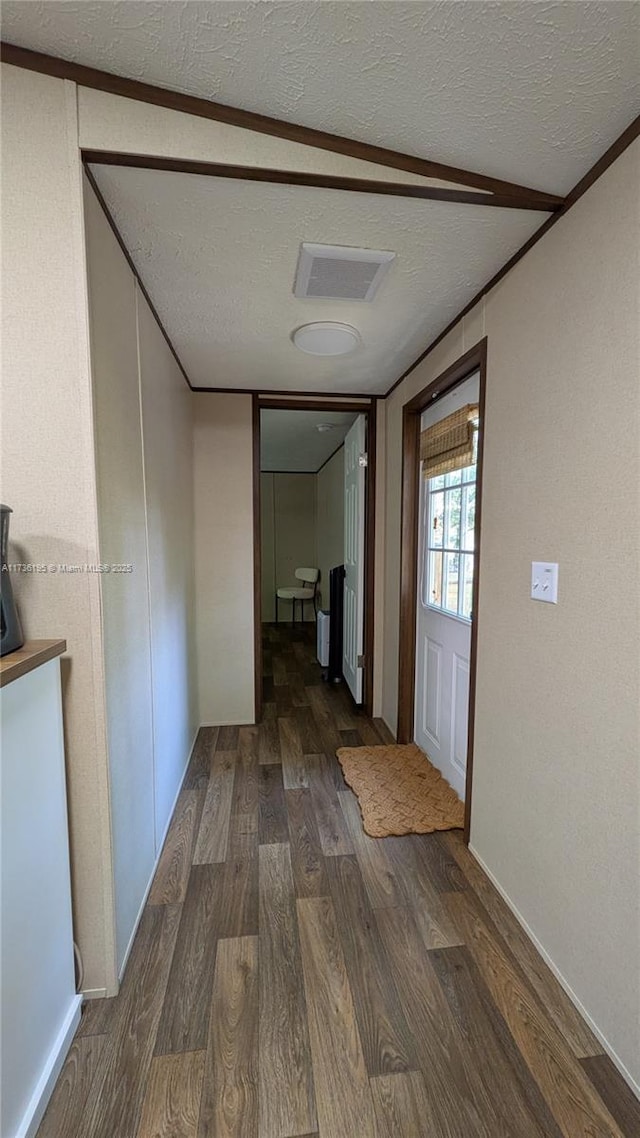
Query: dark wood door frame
x=369, y=408
x=475, y=360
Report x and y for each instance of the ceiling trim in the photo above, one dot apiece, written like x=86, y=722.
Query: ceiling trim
x=279, y=394
x=306, y=178
x=141, y=286
x=328, y=403
x=597, y=170
x=262, y=124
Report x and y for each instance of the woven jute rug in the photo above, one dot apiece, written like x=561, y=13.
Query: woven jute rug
x=399, y=791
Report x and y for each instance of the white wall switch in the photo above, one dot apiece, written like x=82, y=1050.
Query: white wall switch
x=544, y=581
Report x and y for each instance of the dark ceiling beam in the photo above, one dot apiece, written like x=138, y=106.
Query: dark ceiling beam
x=265, y=124
x=304, y=178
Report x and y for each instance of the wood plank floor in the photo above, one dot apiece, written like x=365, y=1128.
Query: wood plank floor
x=293, y=978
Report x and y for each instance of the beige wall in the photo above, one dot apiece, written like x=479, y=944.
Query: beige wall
x=330, y=527
x=110, y=122
x=142, y=415
x=223, y=473
x=288, y=518
x=556, y=799
x=48, y=462
x=166, y=411
x=125, y=597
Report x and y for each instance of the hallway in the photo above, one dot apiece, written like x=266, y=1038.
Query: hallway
x=291, y=977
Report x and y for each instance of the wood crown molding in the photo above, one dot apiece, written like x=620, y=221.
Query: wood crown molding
x=597, y=170
x=265, y=124
x=320, y=181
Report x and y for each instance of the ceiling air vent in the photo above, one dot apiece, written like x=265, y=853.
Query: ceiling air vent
x=338, y=272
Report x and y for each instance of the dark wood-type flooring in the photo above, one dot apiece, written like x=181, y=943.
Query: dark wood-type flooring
x=293, y=978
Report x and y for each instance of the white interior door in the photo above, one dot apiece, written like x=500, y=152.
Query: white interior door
x=354, y=525
x=445, y=582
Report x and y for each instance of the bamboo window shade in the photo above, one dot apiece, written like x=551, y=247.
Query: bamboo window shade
x=448, y=444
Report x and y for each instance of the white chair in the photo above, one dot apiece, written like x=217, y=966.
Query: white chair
x=306, y=593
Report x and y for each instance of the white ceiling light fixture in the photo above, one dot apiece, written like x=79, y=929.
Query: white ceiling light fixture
x=326, y=338
x=323, y=427
x=340, y=272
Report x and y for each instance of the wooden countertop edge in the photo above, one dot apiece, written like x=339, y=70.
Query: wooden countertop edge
x=32, y=654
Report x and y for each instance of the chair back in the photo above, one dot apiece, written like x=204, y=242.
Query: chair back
x=308, y=575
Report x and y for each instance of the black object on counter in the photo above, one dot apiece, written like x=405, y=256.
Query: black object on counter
x=11, y=628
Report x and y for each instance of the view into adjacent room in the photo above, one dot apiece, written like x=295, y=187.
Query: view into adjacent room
x=302, y=504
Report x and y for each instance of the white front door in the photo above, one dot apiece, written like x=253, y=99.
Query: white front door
x=354, y=525
x=445, y=589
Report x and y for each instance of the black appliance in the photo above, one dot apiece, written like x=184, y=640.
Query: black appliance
x=336, y=607
x=10, y=626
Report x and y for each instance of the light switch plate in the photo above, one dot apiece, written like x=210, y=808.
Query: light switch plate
x=544, y=581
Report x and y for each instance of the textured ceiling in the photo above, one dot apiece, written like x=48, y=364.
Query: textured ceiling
x=533, y=92
x=290, y=440
x=219, y=257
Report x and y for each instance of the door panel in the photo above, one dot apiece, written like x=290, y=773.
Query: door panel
x=459, y=712
x=443, y=641
x=430, y=719
x=442, y=692
x=354, y=526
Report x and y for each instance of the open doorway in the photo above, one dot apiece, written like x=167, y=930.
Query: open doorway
x=441, y=516
x=314, y=493
x=446, y=562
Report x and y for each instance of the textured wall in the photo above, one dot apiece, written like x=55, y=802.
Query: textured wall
x=48, y=462
x=166, y=405
x=330, y=526
x=145, y=499
x=223, y=473
x=125, y=597
x=556, y=797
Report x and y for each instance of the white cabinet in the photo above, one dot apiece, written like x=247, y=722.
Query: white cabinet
x=40, y=1008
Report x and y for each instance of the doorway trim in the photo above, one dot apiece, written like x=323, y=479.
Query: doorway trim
x=369, y=408
x=475, y=360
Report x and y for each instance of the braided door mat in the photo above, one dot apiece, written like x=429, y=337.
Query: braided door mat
x=399, y=791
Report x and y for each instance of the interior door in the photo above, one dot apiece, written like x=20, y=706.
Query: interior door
x=443, y=620
x=354, y=527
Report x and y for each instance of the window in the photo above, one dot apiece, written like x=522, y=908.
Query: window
x=450, y=518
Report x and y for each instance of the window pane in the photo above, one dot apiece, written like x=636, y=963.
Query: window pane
x=450, y=583
x=453, y=479
x=436, y=525
x=453, y=506
x=436, y=483
x=466, y=585
x=469, y=518
x=435, y=579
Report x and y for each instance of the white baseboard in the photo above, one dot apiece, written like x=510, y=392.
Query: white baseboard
x=615, y=1058
x=157, y=860
x=231, y=723
x=38, y=1103
x=94, y=994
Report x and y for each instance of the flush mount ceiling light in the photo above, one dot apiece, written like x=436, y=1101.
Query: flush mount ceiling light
x=326, y=338
x=323, y=427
